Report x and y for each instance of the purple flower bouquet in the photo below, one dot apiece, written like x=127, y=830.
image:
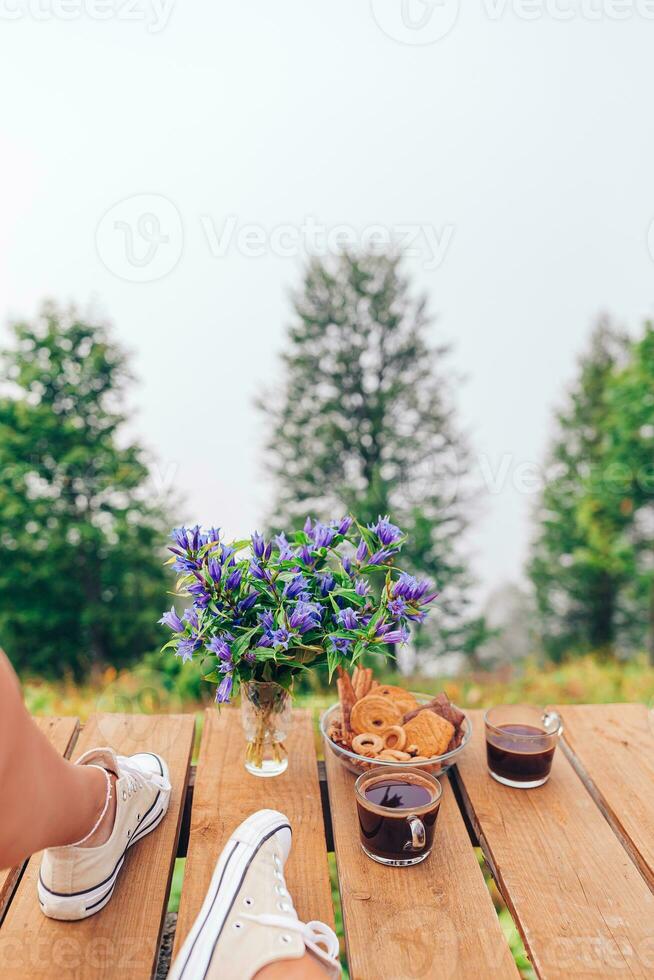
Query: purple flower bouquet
x=262, y=611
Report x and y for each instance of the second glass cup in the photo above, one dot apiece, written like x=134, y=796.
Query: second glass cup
x=397, y=810
x=520, y=744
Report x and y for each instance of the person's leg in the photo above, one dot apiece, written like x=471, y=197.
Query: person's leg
x=305, y=969
x=247, y=928
x=46, y=801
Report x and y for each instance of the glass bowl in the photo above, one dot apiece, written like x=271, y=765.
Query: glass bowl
x=361, y=763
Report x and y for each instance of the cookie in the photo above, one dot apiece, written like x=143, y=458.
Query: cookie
x=403, y=699
x=367, y=743
x=374, y=714
x=430, y=733
x=395, y=738
x=393, y=755
x=440, y=705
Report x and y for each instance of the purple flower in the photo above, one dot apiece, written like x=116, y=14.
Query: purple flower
x=397, y=636
x=201, y=598
x=195, y=537
x=362, y=551
x=293, y=588
x=234, y=579
x=380, y=556
x=258, y=544
x=348, y=619
x=184, y=565
x=265, y=641
x=172, y=620
x=280, y=638
x=266, y=619
x=285, y=550
x=361, y=587
x=325, y=582
x=226, y=553
x=413, y=589
x=386, y=532
x=397, y=607
x=224, y=691
x=247, y=603
x=305, y=616
x=250, y=656
x=180, y=536
x=215, y=571
x=307, y=526
x=186, y=648
x=347, y=565
x=212, y=537
x=340, y=644
x=191, y=617
x=221, y=647
x=258, y=572
x=322, y=535
x=345, y=525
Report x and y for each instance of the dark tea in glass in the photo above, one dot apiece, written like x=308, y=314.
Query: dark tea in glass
x=520, y=744
x=397, y=810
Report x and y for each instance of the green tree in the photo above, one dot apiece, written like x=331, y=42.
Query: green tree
x=81, y=575
x=364, y=422
x=575, y=567
x=626, y=495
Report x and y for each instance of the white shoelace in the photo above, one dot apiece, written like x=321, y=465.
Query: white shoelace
x=137, y=778
x=317, y=936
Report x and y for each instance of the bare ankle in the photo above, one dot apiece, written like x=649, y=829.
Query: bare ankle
x=103, y=811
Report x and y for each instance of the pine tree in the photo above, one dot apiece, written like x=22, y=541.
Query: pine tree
x=364, y=422
x=81, y=574
x=576, y=573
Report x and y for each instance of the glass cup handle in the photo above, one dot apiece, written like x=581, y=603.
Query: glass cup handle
x=418, y=836
x=551, y=718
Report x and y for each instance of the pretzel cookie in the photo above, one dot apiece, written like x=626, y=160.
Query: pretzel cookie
x=395, y=738
x=367, y=743
x=375, y=714
x=430, y=733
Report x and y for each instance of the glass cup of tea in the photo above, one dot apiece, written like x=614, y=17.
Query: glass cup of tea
x=397, y=811
x=520, y=744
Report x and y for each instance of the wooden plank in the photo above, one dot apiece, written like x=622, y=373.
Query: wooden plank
x=225, y=794
x=581, y=905
x=123, y=938
x=62, y=733
x=433, y=920
x=611, y=746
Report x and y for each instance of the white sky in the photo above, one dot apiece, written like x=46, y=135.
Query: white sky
x=524, y=147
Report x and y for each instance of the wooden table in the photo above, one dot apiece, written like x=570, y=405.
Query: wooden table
x=574, y=860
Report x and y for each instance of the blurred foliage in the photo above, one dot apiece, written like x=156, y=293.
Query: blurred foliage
x=81, y=576
x=592, y=562
x=158, y=685
x=364, y=421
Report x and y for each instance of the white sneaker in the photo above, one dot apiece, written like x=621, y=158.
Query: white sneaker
x=248, y=920
x=76, y=882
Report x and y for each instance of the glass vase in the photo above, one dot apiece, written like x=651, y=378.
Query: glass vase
x=266, y=718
